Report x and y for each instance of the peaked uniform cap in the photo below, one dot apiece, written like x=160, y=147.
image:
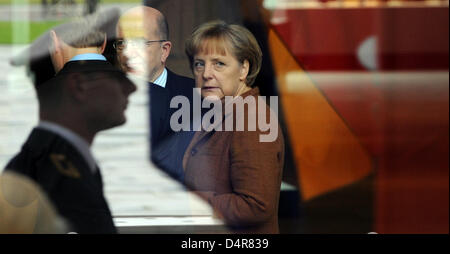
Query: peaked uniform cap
x=104, y=21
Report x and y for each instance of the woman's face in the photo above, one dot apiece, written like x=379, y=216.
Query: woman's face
x=218, y=73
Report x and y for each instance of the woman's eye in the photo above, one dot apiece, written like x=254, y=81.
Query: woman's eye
x=198, y=65
x=220, y=64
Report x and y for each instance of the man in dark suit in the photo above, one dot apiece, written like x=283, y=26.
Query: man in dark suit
x=143, y=48
x=86, y=95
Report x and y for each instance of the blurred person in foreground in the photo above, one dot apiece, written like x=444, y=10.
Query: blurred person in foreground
x=87, y=95
x=233, y=169
x=25, y=209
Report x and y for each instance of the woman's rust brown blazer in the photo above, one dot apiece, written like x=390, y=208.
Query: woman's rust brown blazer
x=237, y=174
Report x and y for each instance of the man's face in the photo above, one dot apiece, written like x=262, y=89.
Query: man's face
x=107, y=99
x=142, y=51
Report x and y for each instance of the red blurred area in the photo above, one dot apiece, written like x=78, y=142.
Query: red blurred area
x=399, y=111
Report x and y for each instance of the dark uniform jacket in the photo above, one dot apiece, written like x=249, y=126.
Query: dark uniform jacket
x=65, y=176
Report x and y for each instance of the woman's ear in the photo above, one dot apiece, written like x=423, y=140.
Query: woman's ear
x=245, y=67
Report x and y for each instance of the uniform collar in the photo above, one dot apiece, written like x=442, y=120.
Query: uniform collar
x=88, y=56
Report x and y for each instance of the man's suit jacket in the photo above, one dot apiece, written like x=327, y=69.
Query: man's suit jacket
x=237, y=174
x=65, y=176
x=168, y=146
x=160, y=111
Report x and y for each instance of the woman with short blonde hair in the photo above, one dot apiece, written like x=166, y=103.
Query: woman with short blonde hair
x=239, y=175
x=235, y=37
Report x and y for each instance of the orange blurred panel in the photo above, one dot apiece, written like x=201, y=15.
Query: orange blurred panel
x=327, y=152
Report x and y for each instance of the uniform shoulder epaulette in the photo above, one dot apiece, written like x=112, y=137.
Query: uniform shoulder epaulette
x=64, y=166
